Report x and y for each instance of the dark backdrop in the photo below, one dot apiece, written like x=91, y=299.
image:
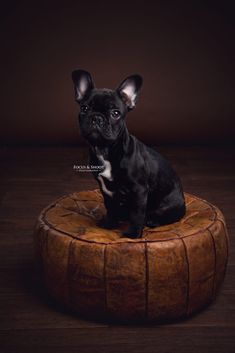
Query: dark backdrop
x=185, y=53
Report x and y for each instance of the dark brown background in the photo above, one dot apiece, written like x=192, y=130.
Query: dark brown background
x=185, y=53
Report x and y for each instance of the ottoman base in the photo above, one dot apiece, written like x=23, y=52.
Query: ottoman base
x=173, y=271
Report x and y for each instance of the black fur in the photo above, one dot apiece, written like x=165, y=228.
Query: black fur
x=145, y=189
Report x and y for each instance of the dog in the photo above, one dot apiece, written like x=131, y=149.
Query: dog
x=137, y=183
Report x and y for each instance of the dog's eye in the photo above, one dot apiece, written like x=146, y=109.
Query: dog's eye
x=84, y=108
x=115, y=114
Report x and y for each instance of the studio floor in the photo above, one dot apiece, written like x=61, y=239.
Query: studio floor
x=30, y=178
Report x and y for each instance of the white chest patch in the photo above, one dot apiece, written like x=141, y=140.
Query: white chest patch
x=106, y=173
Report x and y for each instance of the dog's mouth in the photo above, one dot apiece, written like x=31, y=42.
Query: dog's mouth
x=94, y=130
x=97, y=130
x=94, y=135
x=97, y=136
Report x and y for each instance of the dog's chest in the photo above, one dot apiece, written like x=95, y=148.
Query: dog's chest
x=105, y=175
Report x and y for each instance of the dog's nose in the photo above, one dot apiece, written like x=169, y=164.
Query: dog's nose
x=97, y=120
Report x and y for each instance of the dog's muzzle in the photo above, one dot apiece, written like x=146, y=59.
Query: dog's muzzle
x=97, y=120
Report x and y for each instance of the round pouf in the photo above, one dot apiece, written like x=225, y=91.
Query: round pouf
x=173, y=271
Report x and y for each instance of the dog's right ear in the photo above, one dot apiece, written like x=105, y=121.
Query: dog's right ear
x=83, y=83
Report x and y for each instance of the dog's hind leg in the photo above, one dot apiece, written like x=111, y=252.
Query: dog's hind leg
x=170, y=210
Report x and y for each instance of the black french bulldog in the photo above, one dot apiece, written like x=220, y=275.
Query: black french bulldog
x=137, y=183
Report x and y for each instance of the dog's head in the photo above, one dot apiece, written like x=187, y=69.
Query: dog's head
x=102, y=111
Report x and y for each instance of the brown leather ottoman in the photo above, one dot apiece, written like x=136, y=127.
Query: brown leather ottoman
x=171, y=272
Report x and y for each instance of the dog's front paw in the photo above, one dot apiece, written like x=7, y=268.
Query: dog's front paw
x=133, y=232
x=107, y=223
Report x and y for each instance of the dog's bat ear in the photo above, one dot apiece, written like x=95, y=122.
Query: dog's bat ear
x=129, y=89
x=83, y=83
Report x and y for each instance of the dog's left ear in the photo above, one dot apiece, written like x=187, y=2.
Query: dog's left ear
x=129, y=90
x=83, y=83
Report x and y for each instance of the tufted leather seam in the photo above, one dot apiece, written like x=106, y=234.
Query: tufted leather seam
x=128, y=242
x=184, y=220
x=43, y=213
x=105, y=281
x=226, y=240
x=76, y=205
x=95, y=200
x=215, y=263
x=69, y=277
x=188, y=270
x=146, y=280
x=42, y=245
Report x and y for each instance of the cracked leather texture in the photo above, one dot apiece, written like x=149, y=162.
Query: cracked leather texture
x=171, y=272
